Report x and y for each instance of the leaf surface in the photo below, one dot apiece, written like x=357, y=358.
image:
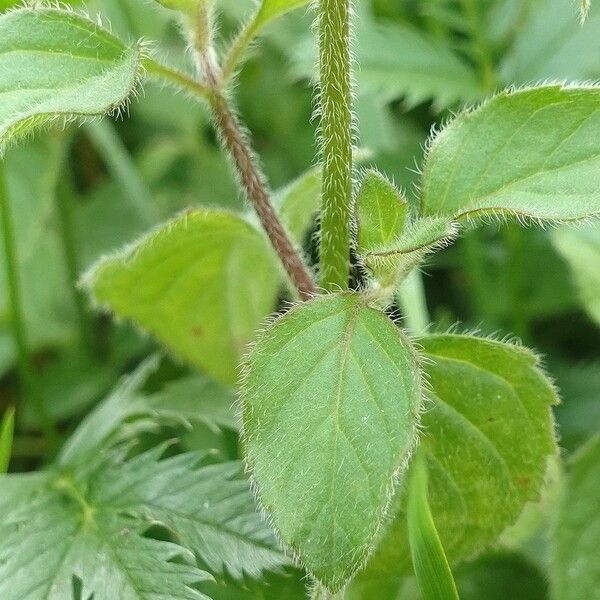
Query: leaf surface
x=487, y=436
x=58, y=65
x=331, y=398
x=575, y=553
x=504, y=158
x=272, y=9
x=7, y=427
x=202, y=284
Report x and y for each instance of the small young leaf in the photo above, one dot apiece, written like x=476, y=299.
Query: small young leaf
x=576, y=553
x=271, y=9
x=487, y=436
x=581, y=249
x=381, y=212
x=7, y=426
x=202, y=284
x=331, y=398
x=504, y=158
x=429, y=561
x=58, y=65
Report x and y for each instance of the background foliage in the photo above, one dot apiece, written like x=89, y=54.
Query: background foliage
x=116, y=179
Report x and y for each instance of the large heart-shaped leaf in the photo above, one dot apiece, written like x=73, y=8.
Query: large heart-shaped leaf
x=330, y=408
x=487, y=436
x=202, y=284
x=533, y=153
x=56, y=65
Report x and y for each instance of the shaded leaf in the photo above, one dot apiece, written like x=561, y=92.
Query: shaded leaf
x=202, y=284
x=581, y=249
x=576, y=560
x=331, y=398
x=7, y=427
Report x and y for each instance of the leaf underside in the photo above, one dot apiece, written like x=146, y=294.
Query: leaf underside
x=56, y=65
x=201, y=283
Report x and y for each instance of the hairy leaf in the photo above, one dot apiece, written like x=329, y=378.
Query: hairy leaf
x=576, y=560
x=202, y=284
x=581, y=249
x=504, y=158
x=58, y=65
x=331, y=399
x=381, y=212
x=487, y=435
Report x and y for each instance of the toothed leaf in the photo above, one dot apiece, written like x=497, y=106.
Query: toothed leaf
x=56, y=65
x=581, y=249
x=575, y=552
x=533, y=153
x=487, y=434
x=48, y=539
x=331, y=398
x=202, y=284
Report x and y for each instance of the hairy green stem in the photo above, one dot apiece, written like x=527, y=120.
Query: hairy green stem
x=335, y=105
x=238, y=48
x=26, y=370
x=177, y=78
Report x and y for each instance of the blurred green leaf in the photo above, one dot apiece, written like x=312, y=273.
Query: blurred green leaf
x=576, y=559
x=202, y=284
x=399, y=61
x=7, y=428
x=503, y=159
x=429, y=561
x=581, y=249
x=317, y=407
x=552, y=45
x=271, y=9
x=58, y=66
x=579, y=413
x=487, y=436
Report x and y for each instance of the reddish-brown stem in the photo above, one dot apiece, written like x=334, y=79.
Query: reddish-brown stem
x=233, y=138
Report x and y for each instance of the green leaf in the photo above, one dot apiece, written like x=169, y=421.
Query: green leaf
x=487, y=435
x=272, y=9
x=331, y=398
x=503, y=159
x=54, y=536
x=92, y=522
x=576, y=559
x=399, y=61
x=196, y=399
x=7, y=427
x=429, y=561
x=210, y=507
x=101, y=425
x=381, y=212
x=581, y=249
x=202, y=284
x=57, y=65
x=551, y=45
